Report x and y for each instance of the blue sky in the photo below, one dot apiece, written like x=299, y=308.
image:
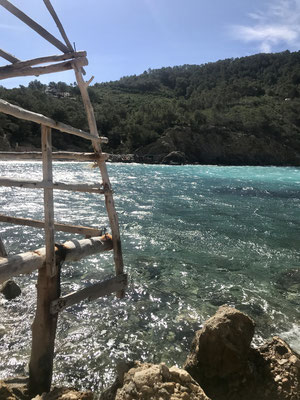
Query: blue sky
x=126, y=37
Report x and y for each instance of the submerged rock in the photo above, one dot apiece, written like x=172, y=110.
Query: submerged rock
x=10, y=290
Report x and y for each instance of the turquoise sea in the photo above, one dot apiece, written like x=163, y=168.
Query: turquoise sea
x=193, y=237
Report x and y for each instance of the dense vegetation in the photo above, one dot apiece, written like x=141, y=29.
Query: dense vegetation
x=256, y=96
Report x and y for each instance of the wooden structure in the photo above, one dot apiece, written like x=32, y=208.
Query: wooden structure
x=48, y=259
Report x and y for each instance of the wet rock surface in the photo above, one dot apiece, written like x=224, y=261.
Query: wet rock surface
x=10, y=290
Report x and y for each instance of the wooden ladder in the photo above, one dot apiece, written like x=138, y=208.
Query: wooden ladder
x=48, y=260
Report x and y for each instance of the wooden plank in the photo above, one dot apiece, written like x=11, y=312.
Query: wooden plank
x=9, y=57
x=75, y=187
x=109, y=201
x=51, y=267
x=90, y=293
x=42, y=60
x=3, y=252
x=43, y=334
x=21, y=113
x=30, y=261
x=34, y=25
x=60, y=155
x=82, y=230
x=49, y=69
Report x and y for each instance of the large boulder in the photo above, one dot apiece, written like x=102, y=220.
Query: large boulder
x=174, y=158
x=221, y=347
x=10, y=290
x=227, y=368
x=155, y=382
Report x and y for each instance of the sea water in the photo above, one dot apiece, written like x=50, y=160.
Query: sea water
x=193, y=238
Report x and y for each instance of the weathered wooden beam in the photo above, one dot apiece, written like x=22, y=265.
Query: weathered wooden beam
x=76, y=187
x=9, y=57
x=3, y=252
x=42, y=60
x=58, y=24
x=51, y=266
x=82, y=230
x=90, y=293
x=109, y=201
x=21, y=113
x=43, y=334
x=34, y=25
x=60, y=27
x=60, y=155
x=30, y=261
x=49, y=69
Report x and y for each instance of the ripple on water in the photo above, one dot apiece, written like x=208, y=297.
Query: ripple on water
x=193, y=237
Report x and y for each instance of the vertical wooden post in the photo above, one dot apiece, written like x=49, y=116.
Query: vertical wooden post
x=109, y=201
x=43, y=334
x=48, y=201
x=48, y=289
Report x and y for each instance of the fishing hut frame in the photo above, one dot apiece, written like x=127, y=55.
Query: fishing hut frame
x=47, y=260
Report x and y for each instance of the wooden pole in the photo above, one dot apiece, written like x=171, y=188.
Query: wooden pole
x=59, y=155
x=43, y=334
x=33, y=25
x=58, y=24
x=48, y=201
x=91, y=292
x=21, y=113
x=43, y=60
x=13, y=72
x=75, y=187
x=82, y=230
x=60, y=27
x=109, y=201
x=72, y=250
x=9, y=57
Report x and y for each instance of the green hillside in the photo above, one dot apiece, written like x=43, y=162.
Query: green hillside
x=235, y=111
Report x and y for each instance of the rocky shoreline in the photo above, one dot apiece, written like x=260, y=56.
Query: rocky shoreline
x=222, y=365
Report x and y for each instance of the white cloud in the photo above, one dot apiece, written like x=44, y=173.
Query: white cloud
x=278, y=24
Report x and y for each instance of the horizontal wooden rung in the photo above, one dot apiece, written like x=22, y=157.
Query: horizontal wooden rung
x=21, y=113
x=58, y=155
x=72, y=250
x=90, y=293
x=82, y=230
x=76, y=187
x=42, y=60
x=13, y=72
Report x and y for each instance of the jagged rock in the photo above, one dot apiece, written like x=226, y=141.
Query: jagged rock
x=10, y=290
x=175, y=157
x=65, y=394
x=158, y=382
x=221, y=347
x=5, y=392
x=227, y=368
